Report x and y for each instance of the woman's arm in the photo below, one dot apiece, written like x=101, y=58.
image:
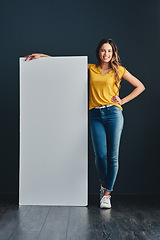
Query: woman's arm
x=139, y=88
x=35, y=55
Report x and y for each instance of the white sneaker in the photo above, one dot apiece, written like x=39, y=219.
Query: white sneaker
x=105, y=202
x=102, y=192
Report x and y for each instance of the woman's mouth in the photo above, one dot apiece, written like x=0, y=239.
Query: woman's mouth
x=106, y=58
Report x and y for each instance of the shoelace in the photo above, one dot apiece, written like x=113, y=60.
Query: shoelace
x=105, y=198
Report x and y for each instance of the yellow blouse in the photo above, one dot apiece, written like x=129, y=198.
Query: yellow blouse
x=102, y=86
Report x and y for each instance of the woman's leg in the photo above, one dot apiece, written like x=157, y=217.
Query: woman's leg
x=98, y=135
x=114, y=125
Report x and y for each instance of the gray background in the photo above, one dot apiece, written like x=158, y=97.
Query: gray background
x=74, y=28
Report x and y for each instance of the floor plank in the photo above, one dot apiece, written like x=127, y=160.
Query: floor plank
x=31, y=224
x=56, y=224
x=10, y=219
x=80, y=224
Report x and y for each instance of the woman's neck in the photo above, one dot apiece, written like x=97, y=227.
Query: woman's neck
x=105, y=66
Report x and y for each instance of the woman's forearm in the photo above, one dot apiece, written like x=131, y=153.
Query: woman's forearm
x=133, y=94
x=44, y=55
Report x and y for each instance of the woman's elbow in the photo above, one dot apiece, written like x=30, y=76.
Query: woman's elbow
x=142, y=87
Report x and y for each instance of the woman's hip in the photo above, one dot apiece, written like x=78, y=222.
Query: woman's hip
x=108, y=114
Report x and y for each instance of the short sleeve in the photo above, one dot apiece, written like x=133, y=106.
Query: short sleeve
x=89, y=65
x=121, y=71
x=125, y=70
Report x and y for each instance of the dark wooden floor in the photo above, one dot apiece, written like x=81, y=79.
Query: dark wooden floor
x=131, y=217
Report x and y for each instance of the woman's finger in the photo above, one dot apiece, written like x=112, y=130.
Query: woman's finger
x=30, y=57
x=27, y=57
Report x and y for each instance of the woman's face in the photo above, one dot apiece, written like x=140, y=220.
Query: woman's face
x=105, y=52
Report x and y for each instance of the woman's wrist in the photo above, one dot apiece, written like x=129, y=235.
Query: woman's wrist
x=122, y=101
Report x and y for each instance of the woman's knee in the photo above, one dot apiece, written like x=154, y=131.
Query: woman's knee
x=113, y=160
x=101, y=156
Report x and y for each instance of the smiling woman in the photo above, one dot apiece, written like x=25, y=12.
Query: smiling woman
x=105, y=112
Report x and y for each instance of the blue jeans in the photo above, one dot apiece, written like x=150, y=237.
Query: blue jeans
x=106, y=126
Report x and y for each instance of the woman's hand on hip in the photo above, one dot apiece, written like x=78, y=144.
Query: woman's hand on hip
x=116, y=99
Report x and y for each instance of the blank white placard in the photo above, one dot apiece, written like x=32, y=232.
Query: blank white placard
x=54, y=131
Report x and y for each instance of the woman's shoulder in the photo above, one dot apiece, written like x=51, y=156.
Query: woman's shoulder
x=91, y=65
x=122, y=70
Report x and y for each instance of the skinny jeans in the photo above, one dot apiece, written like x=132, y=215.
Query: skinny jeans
x=106, y=126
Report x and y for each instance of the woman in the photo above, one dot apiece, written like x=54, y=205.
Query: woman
x=105, y=112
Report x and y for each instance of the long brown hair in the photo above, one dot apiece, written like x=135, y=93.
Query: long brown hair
x=115, y=61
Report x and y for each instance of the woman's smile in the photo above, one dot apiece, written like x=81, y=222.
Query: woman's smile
x=106, y=58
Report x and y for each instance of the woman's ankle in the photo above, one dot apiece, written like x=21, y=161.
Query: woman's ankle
x=107, y=193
